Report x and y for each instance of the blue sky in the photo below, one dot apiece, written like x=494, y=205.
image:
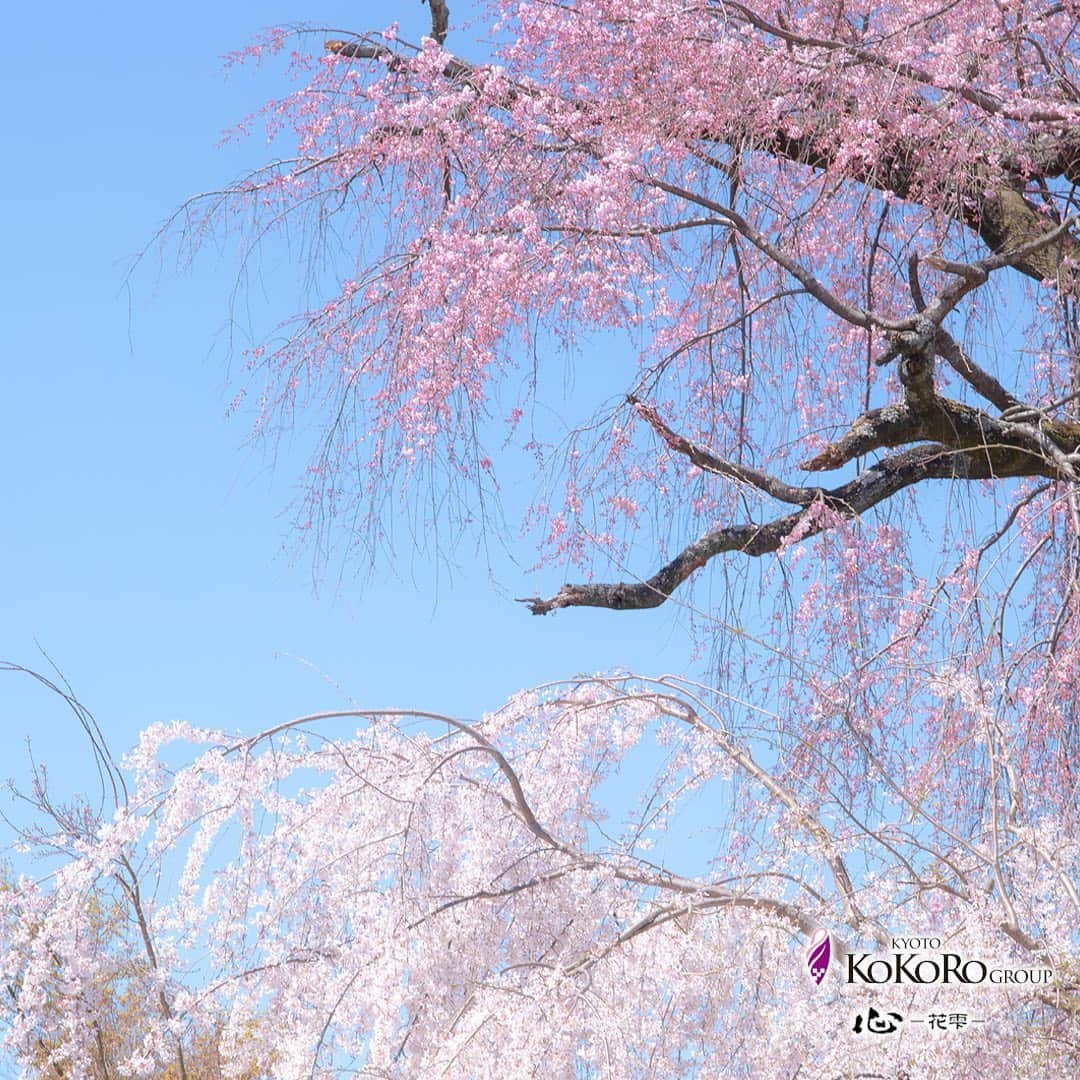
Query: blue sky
x=143, y=547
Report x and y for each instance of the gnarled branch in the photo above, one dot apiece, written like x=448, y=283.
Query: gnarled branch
x=878, y=483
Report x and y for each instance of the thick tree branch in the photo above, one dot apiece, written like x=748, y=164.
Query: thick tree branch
x=893, y=425
x=440, y=19
x=947, y=347
x=1010, y=447
x=365, y=48
x=996, y=209
x=969, y=276
x=878, y=483
x=966, y=444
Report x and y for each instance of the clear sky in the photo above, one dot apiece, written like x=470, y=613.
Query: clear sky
x=141, y=546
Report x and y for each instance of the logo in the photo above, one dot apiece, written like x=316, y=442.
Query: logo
x=818, y=955
x=876, y=1024
x=915, y=960
x=918, y=961
x=873, y=1023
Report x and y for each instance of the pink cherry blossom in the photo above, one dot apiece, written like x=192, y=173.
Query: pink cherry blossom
x=815, y=269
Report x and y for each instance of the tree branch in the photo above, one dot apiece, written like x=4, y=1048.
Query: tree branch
x=948, y=348
x=893, y=425
x=996, y=209
x=881, y=481
x=1010, y=447
x=440, y=19
x=709, y=462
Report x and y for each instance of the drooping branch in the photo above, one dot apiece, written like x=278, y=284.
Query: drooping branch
x=995, y=205
x=817, y=289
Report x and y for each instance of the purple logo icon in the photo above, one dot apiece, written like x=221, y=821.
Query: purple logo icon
x=818, y=955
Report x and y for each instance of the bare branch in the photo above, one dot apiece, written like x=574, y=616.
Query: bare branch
x=947, y=347
x=709, y=462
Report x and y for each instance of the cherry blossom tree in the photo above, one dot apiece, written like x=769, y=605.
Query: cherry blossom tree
x=824, y=238
x=436, y=897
